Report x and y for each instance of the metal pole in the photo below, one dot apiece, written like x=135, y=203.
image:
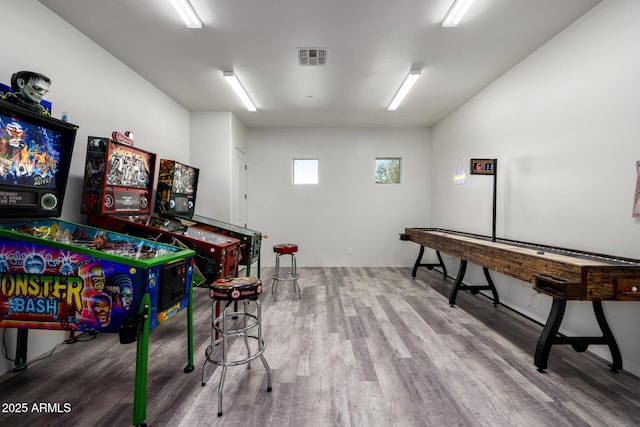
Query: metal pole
x=495, y=188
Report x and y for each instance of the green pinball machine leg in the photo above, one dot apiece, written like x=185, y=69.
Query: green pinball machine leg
x=22, y=338
x=142, y=355
x=248, y=272
x=259, y=256
x=190, y=366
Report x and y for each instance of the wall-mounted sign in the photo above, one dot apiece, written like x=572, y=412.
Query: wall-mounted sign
x=483, y=166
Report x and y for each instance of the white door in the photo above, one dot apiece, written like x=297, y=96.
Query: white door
x=239, y=189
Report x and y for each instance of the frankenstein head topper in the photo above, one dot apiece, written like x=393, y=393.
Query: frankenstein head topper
x=27, y=90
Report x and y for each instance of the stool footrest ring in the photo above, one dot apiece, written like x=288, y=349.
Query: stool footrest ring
x=210, y=358
x=237, y=317
x=287, y=277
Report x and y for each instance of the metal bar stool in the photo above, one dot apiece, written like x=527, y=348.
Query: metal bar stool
x=290, y=274
x=231, y=324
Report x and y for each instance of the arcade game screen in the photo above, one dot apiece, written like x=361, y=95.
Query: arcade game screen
x=29, y=154
x=35, y=153
x=177, y=186
x=118, y=178
x=128, y=167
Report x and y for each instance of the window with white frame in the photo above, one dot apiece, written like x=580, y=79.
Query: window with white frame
x=305, y=171
x=387, y=170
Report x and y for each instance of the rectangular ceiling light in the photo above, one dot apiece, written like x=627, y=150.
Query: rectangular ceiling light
x=187, y=13
x=456, y=13
x=232, y=79
x=404, y=89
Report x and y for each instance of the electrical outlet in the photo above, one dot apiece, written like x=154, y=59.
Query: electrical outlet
x=350, y=251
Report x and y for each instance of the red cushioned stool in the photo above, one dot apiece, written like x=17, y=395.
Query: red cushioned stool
x=285, y=274
x=234, y=323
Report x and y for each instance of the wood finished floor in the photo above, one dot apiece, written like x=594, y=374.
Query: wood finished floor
x=363, y=347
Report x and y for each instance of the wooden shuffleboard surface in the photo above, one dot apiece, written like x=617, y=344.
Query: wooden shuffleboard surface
x=582, y=275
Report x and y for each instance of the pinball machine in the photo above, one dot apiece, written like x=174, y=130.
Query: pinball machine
x=250, y=240
x=121, y=202
x=175, y=200
x=58, y=275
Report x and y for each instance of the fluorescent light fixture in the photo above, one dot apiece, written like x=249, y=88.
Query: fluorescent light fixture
x=232, y=79
x=404, y=89
x=456, y=13
x=187, y=13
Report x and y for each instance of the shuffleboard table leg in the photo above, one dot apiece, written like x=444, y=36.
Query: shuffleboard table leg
x=417, y=263
x=444, y=267
x=549, y=333
x=607, y=336
x=550, y=336
x=457, y=285
x=429, y=266
x=492, y=287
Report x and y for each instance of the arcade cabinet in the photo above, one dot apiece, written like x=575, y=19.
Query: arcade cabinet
x=175, y=200
x=64, y=276
x=118, y=182
x=250, y=240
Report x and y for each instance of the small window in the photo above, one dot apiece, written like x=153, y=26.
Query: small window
x=305, y=171
x=387, y=170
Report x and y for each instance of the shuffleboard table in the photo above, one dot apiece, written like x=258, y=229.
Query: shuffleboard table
x=563, y=274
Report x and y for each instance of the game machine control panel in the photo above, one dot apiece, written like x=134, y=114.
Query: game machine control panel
x=216, y=256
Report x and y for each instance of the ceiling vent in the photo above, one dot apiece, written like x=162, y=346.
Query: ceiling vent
x=312, y=56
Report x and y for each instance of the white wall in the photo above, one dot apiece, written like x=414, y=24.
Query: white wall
x=238, y=134
x=565, y=127
x=100, y=95
x=211, y=153
x=346, y=209
x=214, y=137
x=238, y=162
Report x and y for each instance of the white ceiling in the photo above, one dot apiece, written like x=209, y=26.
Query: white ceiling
x=372, y=45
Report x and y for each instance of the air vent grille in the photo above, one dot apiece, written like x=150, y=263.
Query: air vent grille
x=311, y=56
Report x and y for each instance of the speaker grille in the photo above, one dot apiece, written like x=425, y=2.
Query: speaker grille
x=48, y=201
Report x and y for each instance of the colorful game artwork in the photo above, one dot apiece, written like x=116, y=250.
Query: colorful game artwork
x=45, y=287
x=29, y=154
x=176, y=190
